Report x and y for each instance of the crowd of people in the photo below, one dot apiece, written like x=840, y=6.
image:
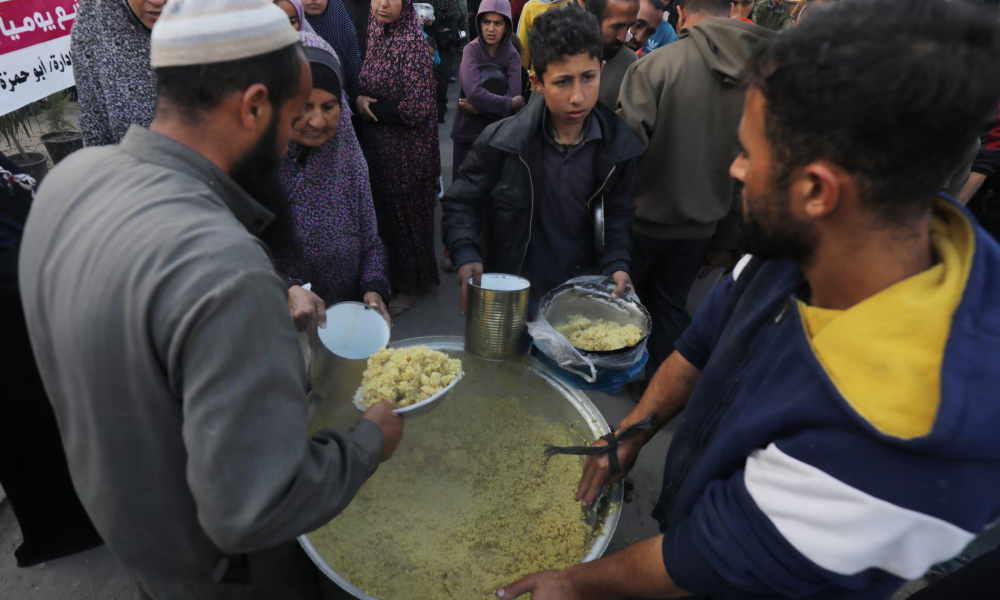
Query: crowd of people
x=836, y=387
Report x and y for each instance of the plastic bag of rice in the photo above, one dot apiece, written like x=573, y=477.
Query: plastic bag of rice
x=406, y=376
x=599, y=336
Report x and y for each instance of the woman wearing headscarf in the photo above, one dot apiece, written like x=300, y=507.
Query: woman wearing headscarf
x=296, y=15
x=401, y=145
x=331, y=22
x=115, y=83
x=326, y=177
x=490, y=76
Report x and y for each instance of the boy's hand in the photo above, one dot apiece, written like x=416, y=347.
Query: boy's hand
x=472, y=270
x=624, y=284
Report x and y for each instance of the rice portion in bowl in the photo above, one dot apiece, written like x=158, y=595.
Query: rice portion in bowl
x=600, y=336
x=406, y=376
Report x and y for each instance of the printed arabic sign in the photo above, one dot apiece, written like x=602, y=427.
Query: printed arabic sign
x=35, y=58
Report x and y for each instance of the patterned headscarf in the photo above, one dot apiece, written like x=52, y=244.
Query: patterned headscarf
x=335, y=26
x=331, y=184
x=304, y=26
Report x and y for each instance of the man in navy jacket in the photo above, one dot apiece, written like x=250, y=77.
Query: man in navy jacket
x=840, y=421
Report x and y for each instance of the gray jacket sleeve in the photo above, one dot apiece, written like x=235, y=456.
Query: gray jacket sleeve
x=256, y=478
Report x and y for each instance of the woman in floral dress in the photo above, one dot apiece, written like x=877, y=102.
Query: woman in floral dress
x=326, y=177
x=401, y=145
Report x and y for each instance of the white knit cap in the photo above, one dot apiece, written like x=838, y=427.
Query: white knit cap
x=198, y=32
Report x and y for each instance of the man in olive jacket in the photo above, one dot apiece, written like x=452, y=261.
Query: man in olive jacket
x=524, y=200
x=684, y=101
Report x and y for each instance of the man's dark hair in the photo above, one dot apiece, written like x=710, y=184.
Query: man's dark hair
x=599, y=7
x=562, y=32
x=197, y=88
x=705, y=7
x=657, y=4
x=892, y=92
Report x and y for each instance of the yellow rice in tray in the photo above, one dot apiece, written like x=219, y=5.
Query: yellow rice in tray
x=599, y=336
x=407, y=376
x=468, y=504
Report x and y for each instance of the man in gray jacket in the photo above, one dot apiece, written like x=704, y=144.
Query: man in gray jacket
x=161, y=328
x=684, y=101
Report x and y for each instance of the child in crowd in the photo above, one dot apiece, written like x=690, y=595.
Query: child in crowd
x=524, y=199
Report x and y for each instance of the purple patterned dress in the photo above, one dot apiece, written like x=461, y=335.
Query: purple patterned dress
x=332, y=204
x=405, y=161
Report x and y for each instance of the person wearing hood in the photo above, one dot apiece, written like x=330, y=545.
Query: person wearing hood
x=490, y=77
x=772, y=14
x=684, y=103
x=838, y=391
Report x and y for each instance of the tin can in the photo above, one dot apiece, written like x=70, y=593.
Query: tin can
x=496, y=317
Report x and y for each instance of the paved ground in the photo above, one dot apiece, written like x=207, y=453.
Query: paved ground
x=96, y=574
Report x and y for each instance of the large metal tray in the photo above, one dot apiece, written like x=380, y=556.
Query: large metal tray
x=524, y=377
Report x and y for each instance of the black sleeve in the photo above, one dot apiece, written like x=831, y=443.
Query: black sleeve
x=387, y=113
x=378, y=288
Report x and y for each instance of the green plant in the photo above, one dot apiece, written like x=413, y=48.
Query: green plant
x=13, y=126
x=54, y=118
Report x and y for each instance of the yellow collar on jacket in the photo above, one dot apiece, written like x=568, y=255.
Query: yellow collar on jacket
x=884, y=355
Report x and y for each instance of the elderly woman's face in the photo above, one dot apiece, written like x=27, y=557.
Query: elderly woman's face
x=387, y=11
x=293, y=15
x=320, y=121
x=314, y=8
x=148, y=11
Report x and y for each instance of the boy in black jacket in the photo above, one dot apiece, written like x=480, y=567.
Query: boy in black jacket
x=524, y=200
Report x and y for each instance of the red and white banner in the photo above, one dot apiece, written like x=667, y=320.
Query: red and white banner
x=35, y=59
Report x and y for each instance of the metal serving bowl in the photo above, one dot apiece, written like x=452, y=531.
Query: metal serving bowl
x=539, y=390
x=593, y=301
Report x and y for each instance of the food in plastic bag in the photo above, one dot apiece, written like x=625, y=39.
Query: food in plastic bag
x=588, y=297
x=600, y=336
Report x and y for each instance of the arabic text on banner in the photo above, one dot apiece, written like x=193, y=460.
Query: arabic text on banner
x=35, y=58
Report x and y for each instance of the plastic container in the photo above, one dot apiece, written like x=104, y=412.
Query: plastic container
x=354, y=331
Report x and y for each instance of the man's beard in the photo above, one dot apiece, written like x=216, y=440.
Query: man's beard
x=610, y=53
x=774, y=233
x=257, y=172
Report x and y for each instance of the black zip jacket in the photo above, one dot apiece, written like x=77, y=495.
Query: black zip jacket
x=490, y=208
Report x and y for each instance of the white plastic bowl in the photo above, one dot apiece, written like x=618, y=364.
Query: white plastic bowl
x=414, y=410
x=354, y=330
